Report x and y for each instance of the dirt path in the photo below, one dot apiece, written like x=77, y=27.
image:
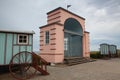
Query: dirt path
x=98, y=70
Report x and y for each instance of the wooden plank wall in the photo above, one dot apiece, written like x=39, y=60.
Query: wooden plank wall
x=9, y=46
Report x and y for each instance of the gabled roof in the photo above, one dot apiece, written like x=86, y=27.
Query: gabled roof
x=66, y=11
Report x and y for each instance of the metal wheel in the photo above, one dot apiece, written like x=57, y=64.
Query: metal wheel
x=21, y=66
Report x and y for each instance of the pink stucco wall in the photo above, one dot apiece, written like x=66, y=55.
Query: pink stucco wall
x=61, y=15
x=86, y=45
x=54, y=52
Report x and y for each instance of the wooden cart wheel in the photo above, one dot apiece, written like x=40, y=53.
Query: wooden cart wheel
x=21, y=66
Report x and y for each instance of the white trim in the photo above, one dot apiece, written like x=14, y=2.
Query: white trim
x=65, y=44
x=71, y=32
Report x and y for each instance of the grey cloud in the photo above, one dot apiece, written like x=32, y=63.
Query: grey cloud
x=31, y=14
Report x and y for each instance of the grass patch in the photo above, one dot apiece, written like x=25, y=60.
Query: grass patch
x=95, y=54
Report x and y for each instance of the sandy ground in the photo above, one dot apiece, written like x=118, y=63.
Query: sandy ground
x=98, y=70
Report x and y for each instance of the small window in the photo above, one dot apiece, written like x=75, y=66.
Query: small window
x=22, y=39
x=47, y=37
x=66, y=44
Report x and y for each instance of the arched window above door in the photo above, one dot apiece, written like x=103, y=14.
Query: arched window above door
x=71, y=25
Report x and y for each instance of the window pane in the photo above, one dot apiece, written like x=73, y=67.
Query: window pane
x=47, y=37
x=20, y=36
x=20, y=41
x=25, y=37
x=24, y=41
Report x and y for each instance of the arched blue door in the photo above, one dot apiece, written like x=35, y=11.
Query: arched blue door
x=73, y=38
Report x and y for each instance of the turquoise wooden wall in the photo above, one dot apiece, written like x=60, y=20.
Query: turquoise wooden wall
x=2, y=47
x=9, y=46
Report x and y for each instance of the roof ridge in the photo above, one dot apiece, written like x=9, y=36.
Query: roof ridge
x=66, y=11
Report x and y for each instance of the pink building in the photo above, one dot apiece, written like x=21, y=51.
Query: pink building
x=64, y=36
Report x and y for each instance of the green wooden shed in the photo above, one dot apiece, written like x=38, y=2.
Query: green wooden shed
x=13, y=42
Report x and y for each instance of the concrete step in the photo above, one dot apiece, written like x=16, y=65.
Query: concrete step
x=76, y=60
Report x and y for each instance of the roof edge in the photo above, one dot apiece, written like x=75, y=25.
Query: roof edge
x=51, y=24
x=86, y=32
x=66, y=11
x=16, y=31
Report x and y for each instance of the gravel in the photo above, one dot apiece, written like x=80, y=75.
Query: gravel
x=97, y=70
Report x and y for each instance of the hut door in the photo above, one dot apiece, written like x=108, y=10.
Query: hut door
x=72, y=45
x=73, y=38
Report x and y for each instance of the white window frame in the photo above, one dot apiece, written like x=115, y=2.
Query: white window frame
x=65, y=44
x=22, y=42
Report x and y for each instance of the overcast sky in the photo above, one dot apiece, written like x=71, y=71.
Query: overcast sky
x=102, y=17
